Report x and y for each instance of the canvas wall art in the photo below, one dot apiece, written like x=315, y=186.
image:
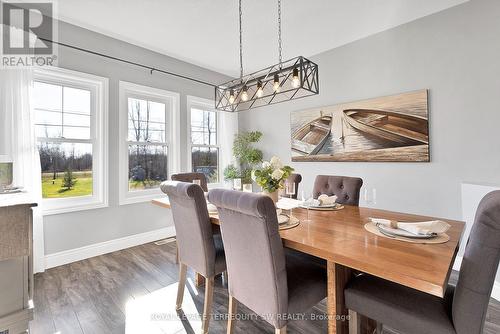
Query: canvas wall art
x=390, y=128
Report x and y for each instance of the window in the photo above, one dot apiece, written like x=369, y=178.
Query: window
x=203, y=141
x=70, y=111
x=148, y=140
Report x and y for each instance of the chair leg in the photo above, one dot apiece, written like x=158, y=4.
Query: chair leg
x=231, y=320
x=207, y=307
x=354, y=322
x=176, y=254
x=281, y=330
x=182, y=284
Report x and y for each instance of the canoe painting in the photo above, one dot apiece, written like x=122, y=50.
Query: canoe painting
x=310, y=138
x=391, y=128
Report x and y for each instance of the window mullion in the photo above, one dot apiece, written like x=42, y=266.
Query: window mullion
x=145, y=143
x=200, y=145
x=65, y=140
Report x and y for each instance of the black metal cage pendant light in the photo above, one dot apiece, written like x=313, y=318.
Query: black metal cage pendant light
x=288, y=80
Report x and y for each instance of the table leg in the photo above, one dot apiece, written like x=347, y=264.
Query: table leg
x=338, y=276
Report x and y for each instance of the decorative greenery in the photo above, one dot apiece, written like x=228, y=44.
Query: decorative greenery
x=69, y=180
x=243, y=149
x=272, y=174
x=246, y=155
x=231, y=172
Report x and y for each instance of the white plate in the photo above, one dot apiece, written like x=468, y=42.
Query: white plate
x=334, y=205
x=401, y=233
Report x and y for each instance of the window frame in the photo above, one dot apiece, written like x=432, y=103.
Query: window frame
x=99, y=104
x=172, y=109
x=206, y=105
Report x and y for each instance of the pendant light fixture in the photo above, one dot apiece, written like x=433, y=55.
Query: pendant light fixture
x=288, y=80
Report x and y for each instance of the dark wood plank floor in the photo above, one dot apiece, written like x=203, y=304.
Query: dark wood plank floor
x=133, y=291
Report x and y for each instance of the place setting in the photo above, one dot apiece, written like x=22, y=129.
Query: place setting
x=285, y=206
x=322, y=203
x=426, y=232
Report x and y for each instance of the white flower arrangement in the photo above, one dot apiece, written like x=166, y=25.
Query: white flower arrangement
x=272, y=174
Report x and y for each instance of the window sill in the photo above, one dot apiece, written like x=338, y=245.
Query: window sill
x=141, y=198
x=51, y=209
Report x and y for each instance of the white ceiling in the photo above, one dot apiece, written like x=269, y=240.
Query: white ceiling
x=205, y=32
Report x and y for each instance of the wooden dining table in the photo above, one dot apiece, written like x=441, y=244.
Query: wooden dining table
x=339, y=237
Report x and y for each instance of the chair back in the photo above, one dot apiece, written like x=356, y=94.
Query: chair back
x=195, y=241
x=479, y=267
x=190, y=177
x=254, y=253
x=347, y=189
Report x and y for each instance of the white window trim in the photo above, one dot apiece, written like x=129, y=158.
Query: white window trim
x=172, y=100
x=208, y=105
x=99, y=86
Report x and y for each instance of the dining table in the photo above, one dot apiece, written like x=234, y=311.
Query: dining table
x=339, y=237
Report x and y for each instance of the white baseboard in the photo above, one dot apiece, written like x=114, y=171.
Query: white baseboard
x=495, y=293
x=77, y=254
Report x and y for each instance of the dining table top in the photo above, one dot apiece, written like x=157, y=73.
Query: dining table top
x=339, y=236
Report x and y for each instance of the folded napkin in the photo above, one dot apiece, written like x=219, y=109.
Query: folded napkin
x=421, y=228
x=327, y=200
x=211, y=208
x=288, y=203
x=311, y=202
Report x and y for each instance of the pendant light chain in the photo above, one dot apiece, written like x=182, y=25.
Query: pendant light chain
x=280, y=48
x=241, y=45
x=287, y=80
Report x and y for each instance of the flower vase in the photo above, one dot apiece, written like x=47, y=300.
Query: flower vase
x=273, y=195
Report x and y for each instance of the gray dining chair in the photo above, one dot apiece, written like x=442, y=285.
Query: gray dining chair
x=260, y=275
x=347, y=189
x=463, y=308
x=198, y=247
x=190, y=177
x=296, y=179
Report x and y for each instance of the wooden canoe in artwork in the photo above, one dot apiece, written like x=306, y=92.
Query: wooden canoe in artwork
x=395, y=127
x=310, y=138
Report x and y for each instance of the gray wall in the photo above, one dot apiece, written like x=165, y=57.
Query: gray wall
x=456, y=55
x=73, y=230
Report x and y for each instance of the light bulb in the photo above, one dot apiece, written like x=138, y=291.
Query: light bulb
x=260, y=91
x=276, y=84
x=244, y=94
x=295, y=78
x=231, y=96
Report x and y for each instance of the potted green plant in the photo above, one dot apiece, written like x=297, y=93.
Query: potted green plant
x=246, y=155
x=271, y=176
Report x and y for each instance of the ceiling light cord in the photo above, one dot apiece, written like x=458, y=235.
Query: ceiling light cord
x=241, y=44
x=280, y=47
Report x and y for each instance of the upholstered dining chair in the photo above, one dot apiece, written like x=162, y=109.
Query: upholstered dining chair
x=463, y=309
x=296, y=179
x=190, y=177
x=347, y=189
x=260, y=275
x=198, y=247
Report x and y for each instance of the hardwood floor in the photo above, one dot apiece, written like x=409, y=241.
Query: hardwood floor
x=134, y=291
